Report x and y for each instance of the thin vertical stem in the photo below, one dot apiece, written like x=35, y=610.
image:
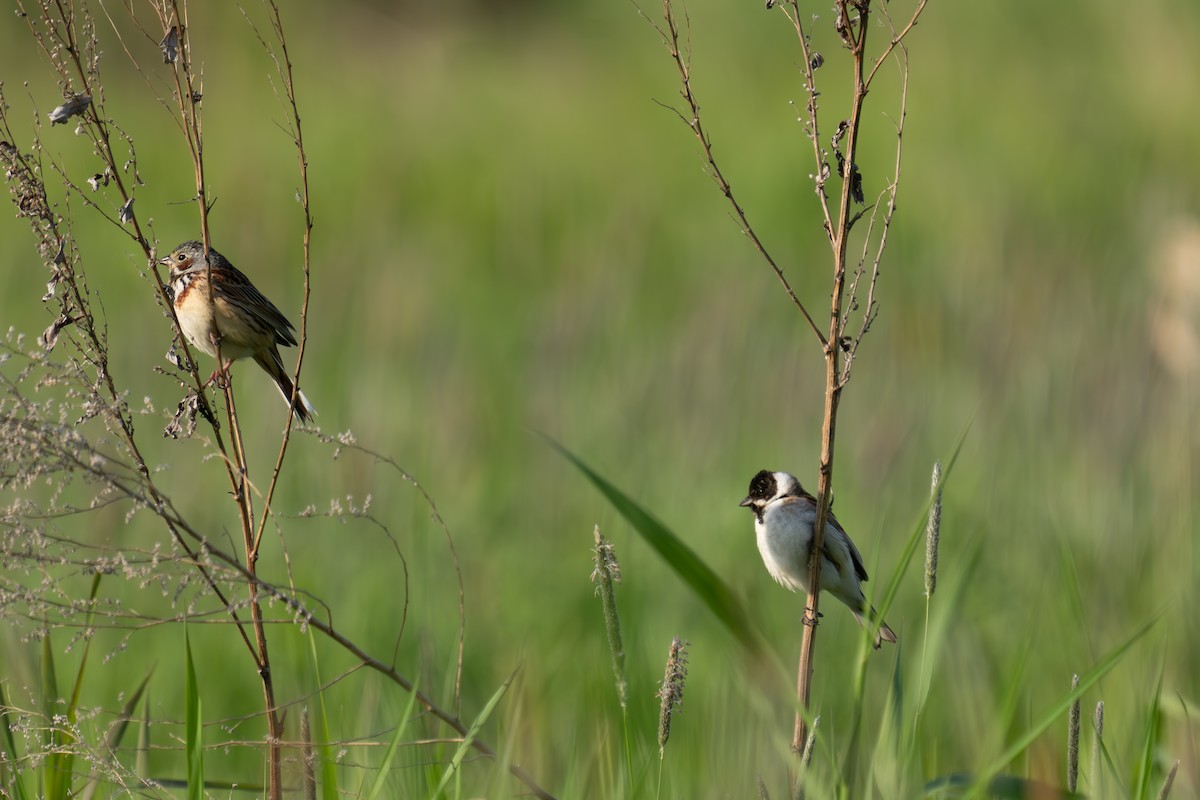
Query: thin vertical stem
x=856, y=35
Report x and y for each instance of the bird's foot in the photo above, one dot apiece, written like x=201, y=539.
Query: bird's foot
x=219, y=378
x=811, y=618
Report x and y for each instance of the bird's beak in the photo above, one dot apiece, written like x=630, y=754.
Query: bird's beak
x=165, y=261
x=745, y=502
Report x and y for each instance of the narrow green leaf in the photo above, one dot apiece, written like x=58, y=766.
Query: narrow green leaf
x=117, y=732
x=56, y=769
x=385, y=766
x=194, y=734
x=1141, y=788
x=915, y=539
x=72, y=708
x=141, y=762
x=701, y=578
x=329, y=768
x=849, y=771
x=472, y=732
x=10, y=747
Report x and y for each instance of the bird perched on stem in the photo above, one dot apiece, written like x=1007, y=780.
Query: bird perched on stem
x=784, y=514
x=225, y=310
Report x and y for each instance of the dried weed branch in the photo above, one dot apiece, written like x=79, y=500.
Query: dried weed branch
x=840, y=343
x=67, y=434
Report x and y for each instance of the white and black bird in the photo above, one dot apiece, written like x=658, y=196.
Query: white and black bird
x=784, y=514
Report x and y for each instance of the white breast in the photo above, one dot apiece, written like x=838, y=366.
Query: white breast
x=783, y=538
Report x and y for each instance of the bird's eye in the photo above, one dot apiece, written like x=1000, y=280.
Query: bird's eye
x=180, y=257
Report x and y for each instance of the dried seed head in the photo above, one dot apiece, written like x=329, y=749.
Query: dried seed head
x=671, y=692
x=1097, y=744
x=1073, y=740
x=605, y=559
x=933, y=531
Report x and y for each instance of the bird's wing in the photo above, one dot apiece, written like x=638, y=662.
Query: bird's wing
x=855, y=556
x=242, y=293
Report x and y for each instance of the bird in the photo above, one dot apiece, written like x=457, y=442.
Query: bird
x=784, y=514
x=225, y=310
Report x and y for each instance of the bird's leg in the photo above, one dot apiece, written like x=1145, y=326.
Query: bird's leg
x=810, y=617
x=220, y=375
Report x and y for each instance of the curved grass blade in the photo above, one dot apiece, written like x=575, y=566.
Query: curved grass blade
x=385, y=767
x=116, y=733
x=472, y=732
x=700, y=578
x=194, y=736
x=8, y=778
x=1149, y=742
x=329, y=770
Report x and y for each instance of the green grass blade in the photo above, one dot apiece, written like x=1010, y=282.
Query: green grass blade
x=117, y=732
x=10, y=750
x=1141, y=788
x=56, y=770
x=194, y=734
x=699, y=577
x=329, y=768
x=76, y=691
x=916, y=539
x=141, y=762
x=472, y=732
x=87, y=648
x=385, y=766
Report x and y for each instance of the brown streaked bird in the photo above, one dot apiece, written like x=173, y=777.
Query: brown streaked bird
x=234, y=313
x=784, y=514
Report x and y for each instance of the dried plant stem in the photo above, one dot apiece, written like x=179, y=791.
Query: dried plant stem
x=283, y=66
x=130, y=478
x=852, y=26
x=670, y=38
x=58, y=23
x=173, y=14
x=837, y=348
x=833, y=386
x=303, y=615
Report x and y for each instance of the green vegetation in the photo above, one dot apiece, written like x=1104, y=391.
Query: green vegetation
x=512, y=238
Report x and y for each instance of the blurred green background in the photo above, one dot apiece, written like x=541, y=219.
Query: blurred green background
x=513, y=236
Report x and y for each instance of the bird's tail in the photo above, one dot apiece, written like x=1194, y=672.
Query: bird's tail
x=885, y=633
x=273, y=365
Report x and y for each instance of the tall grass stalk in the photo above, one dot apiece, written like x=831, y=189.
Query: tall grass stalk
x=1168, y=782
x=806, y=759
x=605, y=575
x=933, y=536
x=1073, y=740
x=1097, y=749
